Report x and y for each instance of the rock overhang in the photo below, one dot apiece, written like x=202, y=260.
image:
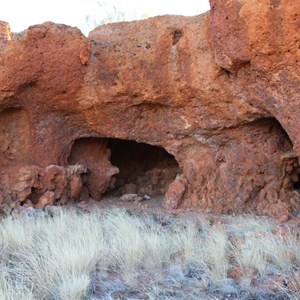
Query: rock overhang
x=220, y=92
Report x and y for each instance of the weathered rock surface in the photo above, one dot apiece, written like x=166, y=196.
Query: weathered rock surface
x=219, y=92
x=40, y=185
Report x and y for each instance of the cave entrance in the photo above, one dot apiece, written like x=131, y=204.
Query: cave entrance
x=295, y=173
x=143, y=169
x=117, y=167
x=289, y=159
x=296, y=185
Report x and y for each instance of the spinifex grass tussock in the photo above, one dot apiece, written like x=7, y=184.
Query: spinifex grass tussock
x=102, y=255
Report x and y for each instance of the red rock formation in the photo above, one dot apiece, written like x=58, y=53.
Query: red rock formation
x=219, y=92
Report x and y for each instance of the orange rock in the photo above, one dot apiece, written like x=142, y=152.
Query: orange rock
x=236, y=274
x=195, y=200
x=174, y=195
x=284, y=218
x=27, y=204
x=219, y=91
x=47, y=199
x=274, y=283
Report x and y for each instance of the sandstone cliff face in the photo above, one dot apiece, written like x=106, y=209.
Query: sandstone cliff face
x=214, y=100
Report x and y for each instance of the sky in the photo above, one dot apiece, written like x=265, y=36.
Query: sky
x=23, y=13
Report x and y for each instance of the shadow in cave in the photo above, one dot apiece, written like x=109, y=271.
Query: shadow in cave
x=117, y=167
x=143, y=169
x=291, y=161
x=296, y=185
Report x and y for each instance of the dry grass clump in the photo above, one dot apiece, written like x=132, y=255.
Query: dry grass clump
x=102, y=255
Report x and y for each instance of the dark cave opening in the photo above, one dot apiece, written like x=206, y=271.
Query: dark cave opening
x=296, y=185
x=117, y=167
x=289, y=158
x=143, y=169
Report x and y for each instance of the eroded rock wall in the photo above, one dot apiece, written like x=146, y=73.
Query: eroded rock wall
x=219, y=92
